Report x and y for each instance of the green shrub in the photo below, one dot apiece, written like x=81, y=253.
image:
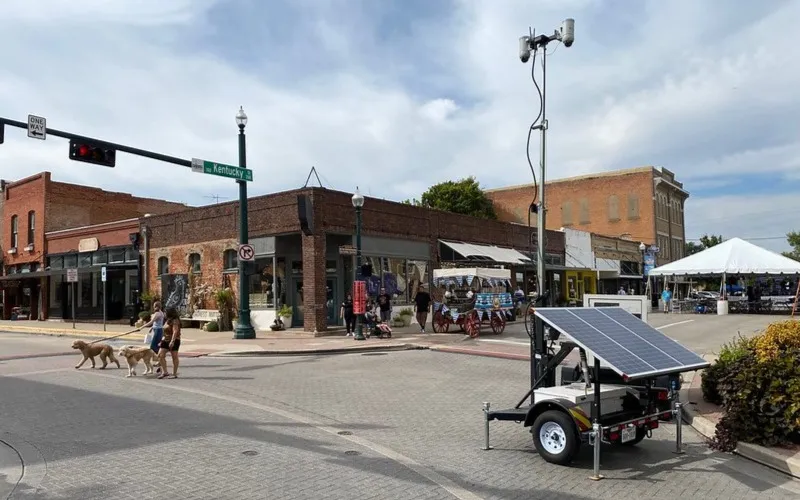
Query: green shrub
x=284, y=311
x=145, y=316
x=406, y=311
x=757, y=382
x=212, y=326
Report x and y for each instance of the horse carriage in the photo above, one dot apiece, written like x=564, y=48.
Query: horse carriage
x=469, y=310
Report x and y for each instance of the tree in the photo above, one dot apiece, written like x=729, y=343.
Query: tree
x=462, y=197
x=710, y=241
x=793, y=238
x=691, y=248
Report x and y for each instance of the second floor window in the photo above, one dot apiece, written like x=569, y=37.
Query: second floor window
x=14, y=231
x=163, y=266
x=194, y=263
x=31, y=226
x=230, y=260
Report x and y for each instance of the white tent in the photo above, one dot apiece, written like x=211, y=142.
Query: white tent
x=731, y=257
x=477, y=272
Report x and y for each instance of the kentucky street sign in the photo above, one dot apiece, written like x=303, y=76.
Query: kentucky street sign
x=347, y=250
x=37, y=127
x=222, y=170
x=246, y=252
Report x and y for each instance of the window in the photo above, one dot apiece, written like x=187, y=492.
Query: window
x=633, y=206
x=31, y=226
x=613, y=208
x=131, y=254
x=163, y=266
x=229, y=260
x=14, y=231
x=116, y=256
x=394, y=279
x=583, y=216
x=85, y=290
x=99, y=258
x=85, y=259
x=566, y=213
x=55, y=262
x=71, y=261
x=261, y=284
x=194, y=262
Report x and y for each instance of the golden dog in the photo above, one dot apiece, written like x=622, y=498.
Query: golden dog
x=133, y=354
x=89, y=351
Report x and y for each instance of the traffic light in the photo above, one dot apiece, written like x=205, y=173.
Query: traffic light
x=90, y=152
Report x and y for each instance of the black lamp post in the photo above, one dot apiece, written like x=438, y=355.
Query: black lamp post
x=643, y=248
x=358, y=203
x=244, y=329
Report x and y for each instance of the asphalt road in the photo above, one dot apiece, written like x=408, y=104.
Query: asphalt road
x=403, y=425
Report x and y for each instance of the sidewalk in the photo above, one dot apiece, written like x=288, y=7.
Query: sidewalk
x=703, y=417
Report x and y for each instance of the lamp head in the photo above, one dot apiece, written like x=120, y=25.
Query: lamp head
x=642, y=247
x=358, y=199
x=241, y=117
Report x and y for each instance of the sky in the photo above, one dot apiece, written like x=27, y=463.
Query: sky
x=397, y=95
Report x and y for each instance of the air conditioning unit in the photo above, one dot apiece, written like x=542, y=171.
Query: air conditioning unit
x=29, y=248
x=12, y=251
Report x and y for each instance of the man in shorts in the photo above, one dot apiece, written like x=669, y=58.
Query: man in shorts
x=422, y=302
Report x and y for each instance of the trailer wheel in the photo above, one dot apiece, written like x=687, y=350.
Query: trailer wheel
x=641, y=433
x=555, y=437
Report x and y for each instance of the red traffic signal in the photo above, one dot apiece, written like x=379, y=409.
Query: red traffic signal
x=92, y=153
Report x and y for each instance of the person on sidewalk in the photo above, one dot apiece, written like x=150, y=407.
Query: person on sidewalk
x=170, y=343
x=348, y=315
x=666, y=297
x=156, y=325
x=385, y=305
x=422, y=302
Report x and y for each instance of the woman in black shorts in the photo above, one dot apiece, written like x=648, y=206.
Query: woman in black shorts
x=171, y=342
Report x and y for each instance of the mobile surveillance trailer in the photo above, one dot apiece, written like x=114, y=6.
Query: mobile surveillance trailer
x=634, y=383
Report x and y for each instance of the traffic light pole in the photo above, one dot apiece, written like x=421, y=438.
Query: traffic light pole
x=119, y=147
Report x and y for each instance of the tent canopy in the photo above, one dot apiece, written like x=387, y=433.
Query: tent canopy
x=734, y=256
x=478, y=272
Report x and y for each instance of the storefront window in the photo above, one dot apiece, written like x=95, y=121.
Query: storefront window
x=131, y=255
x=374, y=281
x=116, y=255
x=394, y=279
x=99, y=258
x=417, y=272
x=84, y=260
x=86, y=290
x=55, y=262
x=98, y=289
x=280, y=276
x=261, y=292
x=71, y=261
x=330, y=266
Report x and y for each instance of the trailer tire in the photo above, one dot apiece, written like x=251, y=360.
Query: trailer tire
x=555, y=437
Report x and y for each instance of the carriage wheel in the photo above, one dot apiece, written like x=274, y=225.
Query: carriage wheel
x=472, y=325
x=440, y=323
x=498, y=323
x=530, y=325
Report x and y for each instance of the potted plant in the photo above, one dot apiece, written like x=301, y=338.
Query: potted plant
x=285, y=314
x=406, y=314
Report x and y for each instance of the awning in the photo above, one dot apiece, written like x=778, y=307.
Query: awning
x=24, y=276
x=472, y=251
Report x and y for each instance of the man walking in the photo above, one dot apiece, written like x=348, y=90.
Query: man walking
x=422, y=302
x=385, y=305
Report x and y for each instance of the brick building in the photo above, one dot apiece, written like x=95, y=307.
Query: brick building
x=641, y=204
x=38, y=205
x=307, y=270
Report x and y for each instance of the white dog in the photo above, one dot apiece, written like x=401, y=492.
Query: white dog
x=135, y=353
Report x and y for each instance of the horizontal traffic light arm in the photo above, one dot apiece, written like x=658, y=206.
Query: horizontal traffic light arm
x=104, y=144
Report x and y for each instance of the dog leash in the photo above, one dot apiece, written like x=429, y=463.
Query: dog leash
x=114, y=336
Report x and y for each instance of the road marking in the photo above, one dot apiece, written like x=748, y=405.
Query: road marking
x=436, y=478
x=499, y=341
x=674, y=324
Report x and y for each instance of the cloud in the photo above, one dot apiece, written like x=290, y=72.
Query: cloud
x=395, y=96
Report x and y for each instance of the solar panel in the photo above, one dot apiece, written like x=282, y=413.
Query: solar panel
x=625, y=343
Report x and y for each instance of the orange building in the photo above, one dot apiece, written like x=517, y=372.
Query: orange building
x=640, y=204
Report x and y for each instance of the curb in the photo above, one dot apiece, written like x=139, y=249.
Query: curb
x=759, y=454
x=65, y=333
x=317, y=352
x=486, y=354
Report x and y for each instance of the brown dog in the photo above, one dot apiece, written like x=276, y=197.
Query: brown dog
x=89, y=351
x=133, y=354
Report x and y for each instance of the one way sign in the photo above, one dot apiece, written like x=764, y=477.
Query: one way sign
x=37, y=127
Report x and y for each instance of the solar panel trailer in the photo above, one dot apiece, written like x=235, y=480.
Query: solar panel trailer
x=633, y=384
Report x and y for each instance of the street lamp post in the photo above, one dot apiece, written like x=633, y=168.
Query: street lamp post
x=358, y=203
x=244, y=329
x=643, y=248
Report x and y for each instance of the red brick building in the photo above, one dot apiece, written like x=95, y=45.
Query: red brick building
x=641, y=204
x=38, y=205
x=308, y=272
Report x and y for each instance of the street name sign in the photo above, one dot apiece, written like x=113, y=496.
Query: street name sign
x=37, y=127
x=246, y=252
x=222, y=170
x=72, y=275
x=348, y=250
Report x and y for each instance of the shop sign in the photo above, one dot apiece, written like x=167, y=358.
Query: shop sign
x=359, y=297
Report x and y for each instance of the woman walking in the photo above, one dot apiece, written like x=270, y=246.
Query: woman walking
x=171, y=342
x=156, y=325
x=347, y=313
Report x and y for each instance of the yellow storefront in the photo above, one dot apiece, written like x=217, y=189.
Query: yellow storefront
x=579, y=282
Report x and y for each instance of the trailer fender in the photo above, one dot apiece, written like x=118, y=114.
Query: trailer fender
x=582, y=421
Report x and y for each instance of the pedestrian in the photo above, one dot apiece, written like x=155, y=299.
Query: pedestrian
x=666, y=297
x=348, y=315
x=621, y=291
x=170, y=343
x=156, y=325
x=422, y=303
x=385, y=305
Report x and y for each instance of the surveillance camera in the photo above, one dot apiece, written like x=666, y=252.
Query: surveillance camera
x=524, y=49
x=567, y=32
